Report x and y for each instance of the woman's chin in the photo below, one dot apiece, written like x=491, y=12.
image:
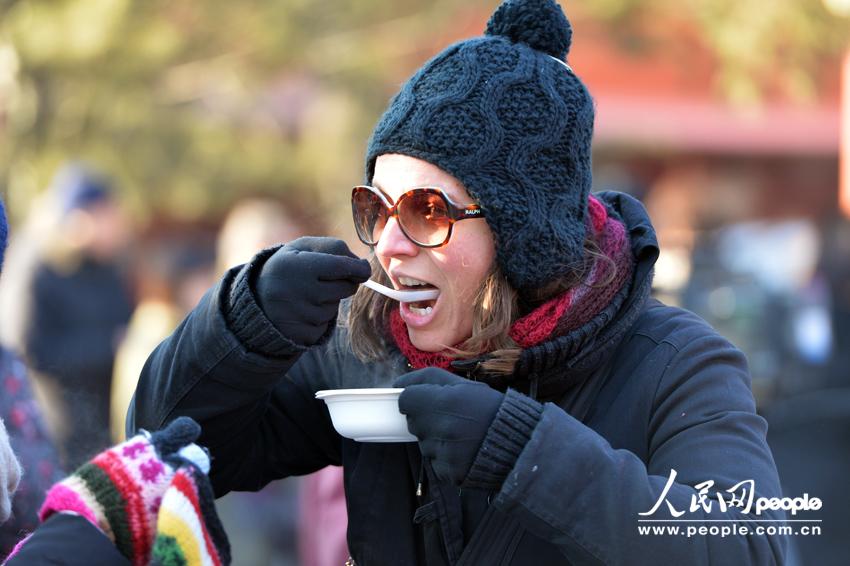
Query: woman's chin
x=433, y=339
x=425, y=341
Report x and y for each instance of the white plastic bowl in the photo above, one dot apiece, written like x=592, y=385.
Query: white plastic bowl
x=367, y=415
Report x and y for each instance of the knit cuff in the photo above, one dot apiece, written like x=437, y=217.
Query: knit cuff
x=247, y=320
x=510, y=431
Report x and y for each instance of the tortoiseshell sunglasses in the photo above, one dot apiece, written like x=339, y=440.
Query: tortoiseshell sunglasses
x=425, y=214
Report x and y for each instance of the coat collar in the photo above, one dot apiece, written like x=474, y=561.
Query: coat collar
x=548, y=370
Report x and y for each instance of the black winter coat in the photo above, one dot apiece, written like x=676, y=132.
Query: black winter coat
x=652, y=389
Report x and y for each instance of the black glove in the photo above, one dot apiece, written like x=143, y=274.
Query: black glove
x=299, y=287
x=450, y=416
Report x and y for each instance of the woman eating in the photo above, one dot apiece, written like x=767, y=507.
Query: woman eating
x=554, y=401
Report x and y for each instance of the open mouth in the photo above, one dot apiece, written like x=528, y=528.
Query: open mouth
x=420, y=308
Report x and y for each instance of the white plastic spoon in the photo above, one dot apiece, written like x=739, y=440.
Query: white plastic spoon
x=402, y=296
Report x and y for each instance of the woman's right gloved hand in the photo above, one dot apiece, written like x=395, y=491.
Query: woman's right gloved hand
x=299, y=287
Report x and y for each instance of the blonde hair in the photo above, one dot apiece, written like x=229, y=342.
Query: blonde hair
x=497, y=305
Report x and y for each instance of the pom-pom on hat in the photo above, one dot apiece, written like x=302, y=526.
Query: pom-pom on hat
x=540, y=25
x=506, y=116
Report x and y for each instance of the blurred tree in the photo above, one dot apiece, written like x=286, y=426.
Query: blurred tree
x=193, y=104
x=760, y=46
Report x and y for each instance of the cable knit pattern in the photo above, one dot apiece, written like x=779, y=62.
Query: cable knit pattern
x=581, y=303
x=507, y=436
x=514, y=124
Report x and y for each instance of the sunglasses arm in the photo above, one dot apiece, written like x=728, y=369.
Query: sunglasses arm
x=470, y=211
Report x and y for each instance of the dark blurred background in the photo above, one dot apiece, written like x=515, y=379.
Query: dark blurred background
x=222, y=127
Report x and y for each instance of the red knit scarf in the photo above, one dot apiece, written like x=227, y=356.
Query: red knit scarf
x=561, y=314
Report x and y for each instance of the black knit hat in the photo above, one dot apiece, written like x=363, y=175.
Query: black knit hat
x=506, y=116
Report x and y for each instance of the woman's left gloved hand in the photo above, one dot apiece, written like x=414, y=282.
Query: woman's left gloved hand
x=450, y=416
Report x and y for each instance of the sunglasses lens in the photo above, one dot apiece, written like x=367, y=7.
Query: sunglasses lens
x=424, y=217
x=370, y=215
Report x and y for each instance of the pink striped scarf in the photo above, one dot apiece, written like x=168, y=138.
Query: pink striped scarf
x=563, y=313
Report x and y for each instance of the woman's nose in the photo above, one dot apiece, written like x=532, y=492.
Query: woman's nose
x=393, y=242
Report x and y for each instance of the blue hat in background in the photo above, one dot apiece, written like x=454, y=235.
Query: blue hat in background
x=78, y=187
x=505, y=115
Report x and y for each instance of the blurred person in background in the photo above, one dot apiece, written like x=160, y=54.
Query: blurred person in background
x=147, y=501
x=262, y=526
x=810, y=423
x=33, y=446
x=322, y=519
x=74, y=305
x=251, y=225
x=552, y=399
x=171, y=277
x=835, y=266
x=10, y=473
x=27, y=436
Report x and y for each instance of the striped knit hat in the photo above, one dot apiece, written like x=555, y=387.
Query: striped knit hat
x=151, y=497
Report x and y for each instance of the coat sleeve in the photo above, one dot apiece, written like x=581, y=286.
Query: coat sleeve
x=259, y=418
x=569, y=486
x=66, y=539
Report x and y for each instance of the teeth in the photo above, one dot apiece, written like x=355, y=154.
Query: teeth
x=421, y=312
x=411, y=282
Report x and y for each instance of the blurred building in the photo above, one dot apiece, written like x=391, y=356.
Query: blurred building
x=744, y=198
x=740, y=194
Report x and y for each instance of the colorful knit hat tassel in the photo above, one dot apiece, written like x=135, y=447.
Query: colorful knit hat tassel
x=188, y=529
x=151, y=497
